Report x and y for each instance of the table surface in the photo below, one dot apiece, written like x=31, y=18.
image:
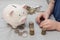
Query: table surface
x=7, y=33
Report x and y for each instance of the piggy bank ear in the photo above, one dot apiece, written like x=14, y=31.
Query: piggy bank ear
x=11, y=13
x=26, y=7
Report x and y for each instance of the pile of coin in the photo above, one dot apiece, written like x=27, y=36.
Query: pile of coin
x=32, y=10
x=22, y=33
x=31, y=28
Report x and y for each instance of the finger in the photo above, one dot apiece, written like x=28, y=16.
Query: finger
x=40, y=26
x=38, y=18
x=44, y=23
x=50, y=28
x=46, y=27
x=46, y=17
x=37, y=21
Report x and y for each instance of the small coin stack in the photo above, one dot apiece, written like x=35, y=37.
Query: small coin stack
x=43, y=29
x=43, y=32
x=31, y=28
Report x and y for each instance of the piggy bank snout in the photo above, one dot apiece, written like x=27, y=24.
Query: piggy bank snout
x=23, y=20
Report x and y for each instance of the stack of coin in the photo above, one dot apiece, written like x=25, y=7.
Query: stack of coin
x=31, y=28
x=43, y=29
x=43, y=32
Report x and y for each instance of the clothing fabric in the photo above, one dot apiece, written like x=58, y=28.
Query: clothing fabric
x=56, y=10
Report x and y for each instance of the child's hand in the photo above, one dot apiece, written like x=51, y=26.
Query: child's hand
x=45, y=15
x=49, y=24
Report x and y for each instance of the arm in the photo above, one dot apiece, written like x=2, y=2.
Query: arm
x=47, y=12
x=50, y=7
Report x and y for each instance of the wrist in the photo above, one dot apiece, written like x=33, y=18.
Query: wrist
x=48, y=13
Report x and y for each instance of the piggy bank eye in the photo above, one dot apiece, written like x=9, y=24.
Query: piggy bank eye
x=14, y=6
x=19, y=15
x=23, y=12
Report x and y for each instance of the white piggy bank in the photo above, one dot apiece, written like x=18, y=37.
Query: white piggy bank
x=15, y=14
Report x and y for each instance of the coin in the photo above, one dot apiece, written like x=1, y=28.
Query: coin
x=31, y=28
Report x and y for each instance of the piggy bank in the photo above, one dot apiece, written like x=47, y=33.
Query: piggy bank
x=15, y=14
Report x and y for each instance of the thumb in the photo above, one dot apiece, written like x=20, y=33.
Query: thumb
x=46, y=17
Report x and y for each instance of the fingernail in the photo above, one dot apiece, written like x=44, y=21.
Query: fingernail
x=41, y=27
x=38, y=23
